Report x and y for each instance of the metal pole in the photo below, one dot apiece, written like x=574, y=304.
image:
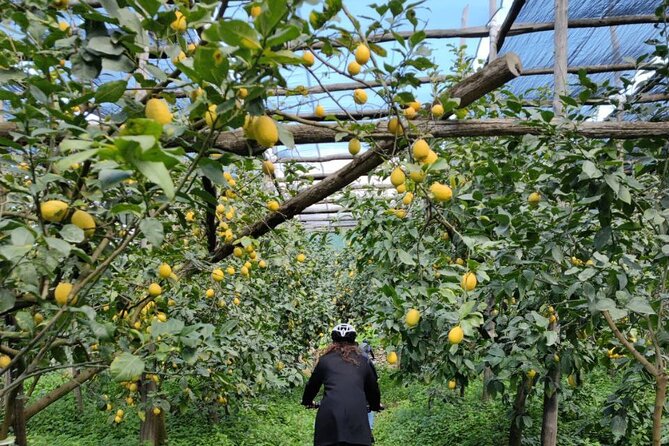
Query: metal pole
x=560, y=69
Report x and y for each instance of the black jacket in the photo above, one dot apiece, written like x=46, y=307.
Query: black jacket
x=349, y=389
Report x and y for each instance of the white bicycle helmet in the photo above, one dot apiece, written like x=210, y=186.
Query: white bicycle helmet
x=343, y=333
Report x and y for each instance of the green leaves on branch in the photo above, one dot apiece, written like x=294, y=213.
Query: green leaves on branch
x=126, y=367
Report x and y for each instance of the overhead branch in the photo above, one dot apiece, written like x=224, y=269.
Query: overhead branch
x=60, y=392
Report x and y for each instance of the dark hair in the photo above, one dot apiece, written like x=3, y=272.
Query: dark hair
x=349, y=351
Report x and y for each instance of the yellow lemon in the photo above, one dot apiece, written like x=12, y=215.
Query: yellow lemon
x=4, y=361
x=265, y=131
x=244, y=271
x=468, y=282
x=408, y=198
x=38, y=318
x=262, y=264
x=62, y=292
x=430, y=158
x=164, y=271
x=353, y=68
x=238, y=252
x=456, y=335
x=395, y=127
x=179, y=24
x=391, y=358
x=571, y=380
x=191, y=47
x=158, y=110
x=400, y=213
x=359, y=96
x=418, y=176
x=236, y=301
x=320, y=111
x=362, y=54
x=397, y=177
x=85, y=221
x=421, y=149
x=179, y=58
x=268, y=167
x=437, y=110
x=217, y=275
x=190, y=216
x=401, y=188
x=412, y=317
x=301, y=257
x=452, y=384
x=255, y=11
x=531, y=373
x=410, y=113
x=53, y=210
x=534, y=198
x=354, y=146
x=155, y=289
x=308, y=58
x=209, y=293
x=63, y=26
x=242, y=93
x=415, y=105
x=441, y=192
x=230, y=270
x=273, y=205
x=210, y=115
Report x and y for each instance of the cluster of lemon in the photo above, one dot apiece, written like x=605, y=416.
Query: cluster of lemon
x=423, y=154
x=455, y=335
x=56, y=211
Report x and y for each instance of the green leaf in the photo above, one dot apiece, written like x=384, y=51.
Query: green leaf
x=110, y=92
x=152, y=230
x=283, y=35
x=590, y=170
x=285, y=136
x=158, y=174
x=72, y=234
x=102, y=45
x=25, y=321
x=405, y=257
x=169, y=327
x=79, y=157
x=7, y=300
x=22, y=237
x=59, y=245
x=126, y=367
x=233, y=32
x=640, y=305
x=212, y=170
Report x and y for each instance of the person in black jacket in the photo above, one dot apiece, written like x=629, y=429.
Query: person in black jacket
x=350, y=387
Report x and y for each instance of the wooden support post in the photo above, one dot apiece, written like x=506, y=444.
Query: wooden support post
x=463, y=22
x=19, y=424
x=561, y=46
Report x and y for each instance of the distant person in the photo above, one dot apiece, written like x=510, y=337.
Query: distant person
x=351, y=388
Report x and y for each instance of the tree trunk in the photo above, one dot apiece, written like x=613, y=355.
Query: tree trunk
x=549, y=424
x=19, y=424
x=78, y=398
x=9, y=408
x=487, y=376
x=516, y=429
x=152, y=431
x=660, y=397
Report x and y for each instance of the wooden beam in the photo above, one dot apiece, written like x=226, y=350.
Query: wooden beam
x=468, y=90
x=305, y=134
x=315, y=159
x=590, y=69
x=510, y=19
x=561, y=50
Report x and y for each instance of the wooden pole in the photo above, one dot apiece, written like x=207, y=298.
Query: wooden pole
x=504, y=30
x=561, y=48
x=463, y=22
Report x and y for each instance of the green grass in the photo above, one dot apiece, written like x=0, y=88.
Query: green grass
x=416, y=414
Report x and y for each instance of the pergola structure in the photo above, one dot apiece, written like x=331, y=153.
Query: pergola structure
x=555, y=40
